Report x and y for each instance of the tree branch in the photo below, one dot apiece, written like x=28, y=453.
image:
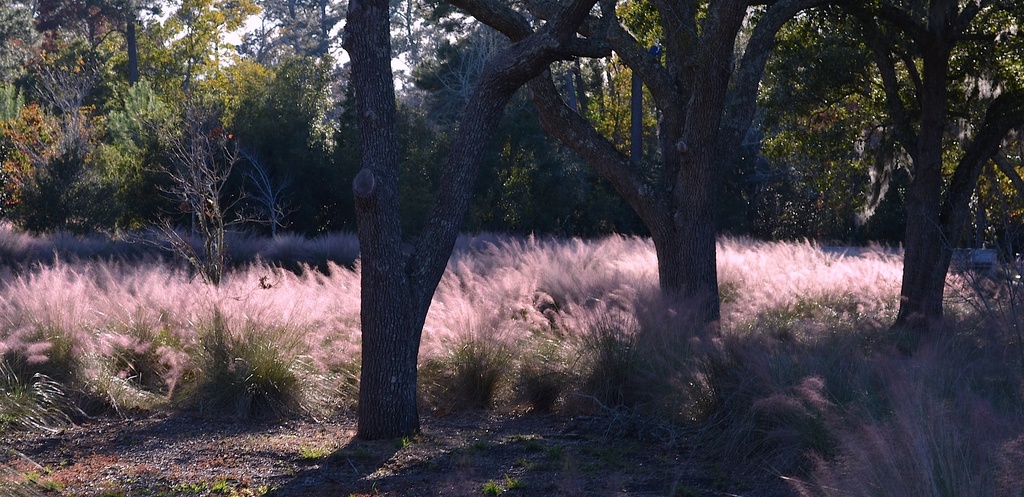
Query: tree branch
x=742, y=98
x=505, y=73
x=579, y=135
x=902, y=129
x=1004, y=113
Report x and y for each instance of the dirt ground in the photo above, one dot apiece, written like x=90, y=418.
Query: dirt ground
x=468, y=454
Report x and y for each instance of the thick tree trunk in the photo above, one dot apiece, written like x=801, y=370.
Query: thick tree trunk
x=397, y=289
x=925, y=264
x=936, y=221
x=690, y=89
x=927, y=250
x=390, y=340
x=686, y=271
x=391, y=337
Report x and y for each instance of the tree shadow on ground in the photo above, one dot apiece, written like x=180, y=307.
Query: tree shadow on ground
x=490, y=455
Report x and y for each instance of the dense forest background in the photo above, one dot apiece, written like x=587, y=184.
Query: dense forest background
x=104, y=103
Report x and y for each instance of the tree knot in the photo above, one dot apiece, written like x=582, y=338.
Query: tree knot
x=364, y=183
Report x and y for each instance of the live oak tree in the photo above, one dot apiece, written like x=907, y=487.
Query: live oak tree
x=706, y=99
x=397, y=286
x=951, y=73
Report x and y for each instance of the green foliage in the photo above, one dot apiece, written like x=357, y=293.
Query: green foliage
x=286, y=122
x=131, y=151
x=18, y=38
x=528, y=183
x=534, y=185
x=643, y=21
x=491, y=487
x=57, y=184
x=830, y=158
x=314, y=452
x=11, y=102
x=305, y=29
x=189, y=45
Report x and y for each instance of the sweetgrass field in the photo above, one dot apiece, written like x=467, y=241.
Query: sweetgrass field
x=590, y=381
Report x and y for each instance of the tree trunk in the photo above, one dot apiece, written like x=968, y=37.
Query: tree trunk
x=926, y=261
x=133, y=53
x=396, y=290
x=690, y=89
x=927, y=250
x=390, y=345
x=390, y=341
x=687, y=272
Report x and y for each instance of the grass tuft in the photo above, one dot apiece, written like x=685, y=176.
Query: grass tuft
x=36, y=403
x=259, y=374
x=469, y=377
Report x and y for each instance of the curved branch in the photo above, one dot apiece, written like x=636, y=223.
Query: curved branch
x=579, y=135
x=498, y=16
x=742, y=98
x=505, y=73
x=902, y=129
x=1004, y=113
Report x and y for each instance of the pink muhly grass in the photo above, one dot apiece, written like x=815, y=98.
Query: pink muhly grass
x=942, y=431
x=767, y=275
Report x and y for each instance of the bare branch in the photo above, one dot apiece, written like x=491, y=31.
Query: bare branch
x=268, y=194
x=200, y=163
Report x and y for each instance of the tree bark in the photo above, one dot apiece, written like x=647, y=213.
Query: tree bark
x=396, y=289
x=387, y=393
x=937, y=215
x=133, y=52
x=679, y=209
x=927, y=251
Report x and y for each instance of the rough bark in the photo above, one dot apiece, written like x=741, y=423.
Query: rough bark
x=927, y=251
x=397, y=289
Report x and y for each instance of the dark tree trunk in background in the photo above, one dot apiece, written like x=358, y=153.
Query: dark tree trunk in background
x=133, y=53
x=927, y=251
x=397, y=289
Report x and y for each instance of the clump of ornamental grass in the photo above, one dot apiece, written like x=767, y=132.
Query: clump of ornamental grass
x=470, y=375
x=136, y=367
x=475, y=331
x=545, y=372
x=258, y=373
x=761, y=398
x=42, y=348
x=756, y=409
x=631, y=353
x=951, y=426
x=36, y=402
